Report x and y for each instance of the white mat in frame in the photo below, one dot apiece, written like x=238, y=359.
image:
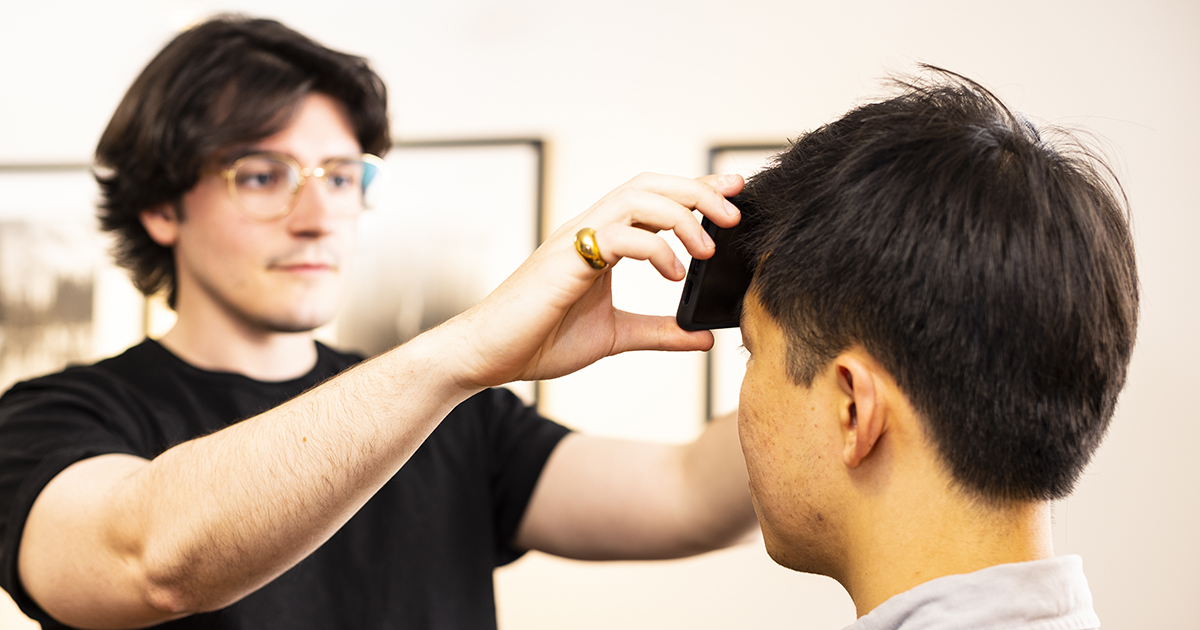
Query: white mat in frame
x=459, y=218
x=456, y=218
x=61, y=299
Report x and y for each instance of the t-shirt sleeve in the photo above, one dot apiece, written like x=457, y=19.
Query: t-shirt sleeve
x=45, y=426
x=520, y=442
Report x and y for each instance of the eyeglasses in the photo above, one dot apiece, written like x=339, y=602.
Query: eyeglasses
x=265, y=186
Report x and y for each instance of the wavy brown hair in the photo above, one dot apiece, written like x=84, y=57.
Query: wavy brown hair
x=228, y=81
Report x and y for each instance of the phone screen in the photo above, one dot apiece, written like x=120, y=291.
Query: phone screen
x=714, y=288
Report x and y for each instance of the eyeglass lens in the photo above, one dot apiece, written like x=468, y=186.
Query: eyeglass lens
x=266, y=187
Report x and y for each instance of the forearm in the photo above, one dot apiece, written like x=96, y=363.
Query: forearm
x=716, y=485
x=606, y=499
x=213, y=519
x=275, y=488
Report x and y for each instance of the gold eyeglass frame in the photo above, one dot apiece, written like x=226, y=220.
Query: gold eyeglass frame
x=302, y=173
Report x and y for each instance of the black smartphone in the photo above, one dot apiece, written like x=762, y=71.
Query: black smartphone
x=714, y=288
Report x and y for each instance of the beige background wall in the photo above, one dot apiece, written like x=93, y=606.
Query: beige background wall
x=626, y=86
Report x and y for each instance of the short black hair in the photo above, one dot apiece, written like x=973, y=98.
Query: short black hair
x=989, y=270
x=230, y=80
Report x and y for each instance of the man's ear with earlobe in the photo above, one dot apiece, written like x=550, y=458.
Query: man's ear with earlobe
x=161, y=223
x=864, y=416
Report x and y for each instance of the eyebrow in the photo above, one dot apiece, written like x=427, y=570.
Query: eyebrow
x=227, y=159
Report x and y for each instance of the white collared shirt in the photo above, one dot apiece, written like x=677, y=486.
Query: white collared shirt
x=1039, y=595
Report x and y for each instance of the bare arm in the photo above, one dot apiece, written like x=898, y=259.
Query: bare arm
x=116, y=541
x=606, y=499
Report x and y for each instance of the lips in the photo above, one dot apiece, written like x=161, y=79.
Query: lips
x=306, y=269
x=307, y=260
x=305, y=266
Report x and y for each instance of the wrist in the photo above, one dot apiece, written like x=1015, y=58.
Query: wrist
x=433, y=363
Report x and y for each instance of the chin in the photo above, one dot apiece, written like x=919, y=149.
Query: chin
x=800, y=558
x=302, y=311
x=288, y=327
x=300, y=326
x=778, y=551
x=803, y=551
x=297, y=320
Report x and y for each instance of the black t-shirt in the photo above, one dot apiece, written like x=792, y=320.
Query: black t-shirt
x=419, y=554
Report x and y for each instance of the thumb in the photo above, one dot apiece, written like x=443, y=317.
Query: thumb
x=656, y=332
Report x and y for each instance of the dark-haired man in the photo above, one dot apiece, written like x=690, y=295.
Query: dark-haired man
x=235, y=474
x=938, y=328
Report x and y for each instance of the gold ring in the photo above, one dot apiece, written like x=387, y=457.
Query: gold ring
x=589, y=250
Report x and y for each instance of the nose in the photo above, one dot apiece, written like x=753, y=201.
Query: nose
x=312, y=215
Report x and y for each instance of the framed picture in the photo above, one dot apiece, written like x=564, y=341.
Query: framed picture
x=458, y=217
x=61, y=301
x=727, y=361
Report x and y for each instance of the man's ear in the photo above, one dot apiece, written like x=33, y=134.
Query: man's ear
x=161, y=223
x=864, y=416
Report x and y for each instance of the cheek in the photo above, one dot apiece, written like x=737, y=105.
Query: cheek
x=347, y=244
x=757, y=414
x=219, y=234
x=760, y=447
x=774, y=442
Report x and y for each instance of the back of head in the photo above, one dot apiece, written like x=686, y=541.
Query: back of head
x=226, y=82
x=990, y=271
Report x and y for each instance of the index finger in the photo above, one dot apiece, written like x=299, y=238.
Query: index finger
x=727, y=185
x=706, y=194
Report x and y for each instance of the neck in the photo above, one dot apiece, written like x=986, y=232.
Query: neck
x=220, y=344
x=949, y=535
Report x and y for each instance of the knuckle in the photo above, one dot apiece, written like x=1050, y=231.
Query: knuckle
x=626, y=197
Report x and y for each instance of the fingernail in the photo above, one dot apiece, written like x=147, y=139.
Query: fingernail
x=679, y=270
x=731, y=209
x=728, y=180
x=708, y=242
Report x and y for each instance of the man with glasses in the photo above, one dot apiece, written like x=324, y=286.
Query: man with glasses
x=237, y=474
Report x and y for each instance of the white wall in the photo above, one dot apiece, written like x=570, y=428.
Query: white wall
x=625, y=86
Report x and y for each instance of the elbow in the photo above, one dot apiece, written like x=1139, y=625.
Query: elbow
x=738, y=532
x=179, y=584
x=167, y=595
x=725, y=534
x=170, y=601
x=168, y=585
x=724, y=525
